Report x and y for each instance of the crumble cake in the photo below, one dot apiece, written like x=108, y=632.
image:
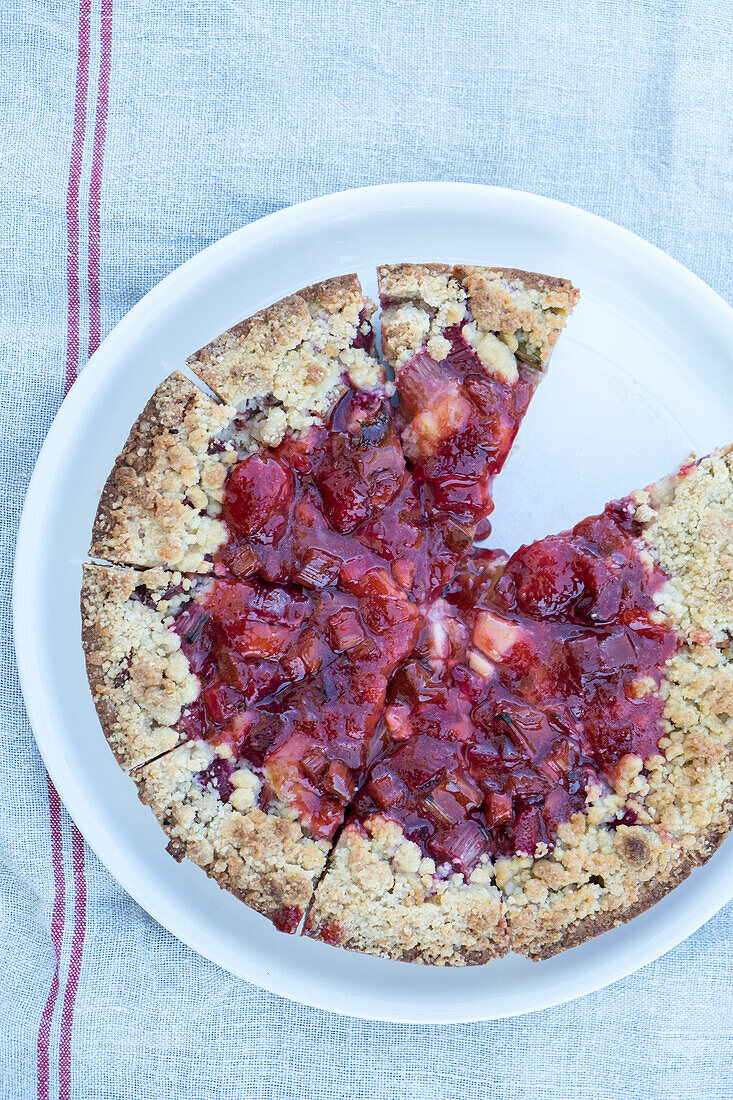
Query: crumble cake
x=360, y=723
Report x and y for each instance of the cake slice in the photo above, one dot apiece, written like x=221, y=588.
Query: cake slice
x=669, y=806
x=492, y=307
x=272, y=694
x=468, y=346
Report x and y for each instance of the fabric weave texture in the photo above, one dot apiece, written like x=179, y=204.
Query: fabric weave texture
x=137, y=132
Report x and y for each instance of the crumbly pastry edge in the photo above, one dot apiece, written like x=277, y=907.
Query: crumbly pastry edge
x=515, y=314
x=380, y=896
x=283, y=366
x=682, y=797
x=264, y=858
x=647, y=895
x=138, y=675
x=160, y=503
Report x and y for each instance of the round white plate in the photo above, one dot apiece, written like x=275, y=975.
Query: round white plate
x=641, y=377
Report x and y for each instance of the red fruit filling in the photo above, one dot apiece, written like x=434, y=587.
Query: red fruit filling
x=357, y=651
x=340, y=501
x=295, y=681
x=459, y=425
x=547, y=686
x=323, y=508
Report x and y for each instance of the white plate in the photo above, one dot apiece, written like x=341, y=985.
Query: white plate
x=641, y=377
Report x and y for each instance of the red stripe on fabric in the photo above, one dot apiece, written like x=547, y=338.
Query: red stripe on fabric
x=57, y=933
x=72, y=194
x=94, y=234
x=72, y=361
x=95, y=185
x=77, y=946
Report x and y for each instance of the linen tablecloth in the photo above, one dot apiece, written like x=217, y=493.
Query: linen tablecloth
x=134, y=133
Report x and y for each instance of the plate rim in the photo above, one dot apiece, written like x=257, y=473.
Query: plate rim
x=208, y=259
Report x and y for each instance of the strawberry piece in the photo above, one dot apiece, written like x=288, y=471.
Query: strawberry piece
x=257, y=498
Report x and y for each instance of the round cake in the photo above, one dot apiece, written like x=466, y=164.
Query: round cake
x=340, y=701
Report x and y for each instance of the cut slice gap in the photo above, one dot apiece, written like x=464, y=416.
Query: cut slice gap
x=196, y=380
x=301, y=929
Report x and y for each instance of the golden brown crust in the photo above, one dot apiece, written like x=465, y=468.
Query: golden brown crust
x=159, y=505
x=399, y=282
x=267, y=860
x=284, y=365
x=647, y=895
x=598, y=871
x=138, y=675
x=523, y=310
x=380, y=896
x=688, y=524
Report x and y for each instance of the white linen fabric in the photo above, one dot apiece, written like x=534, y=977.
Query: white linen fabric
x=136, y=132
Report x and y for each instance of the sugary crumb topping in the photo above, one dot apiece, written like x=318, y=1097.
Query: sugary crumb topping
x=140, y=678
x=284, y=365
x=688, y=522
x=264, y=859
x=382, y=897
x=506, y=311
x=160, y=502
